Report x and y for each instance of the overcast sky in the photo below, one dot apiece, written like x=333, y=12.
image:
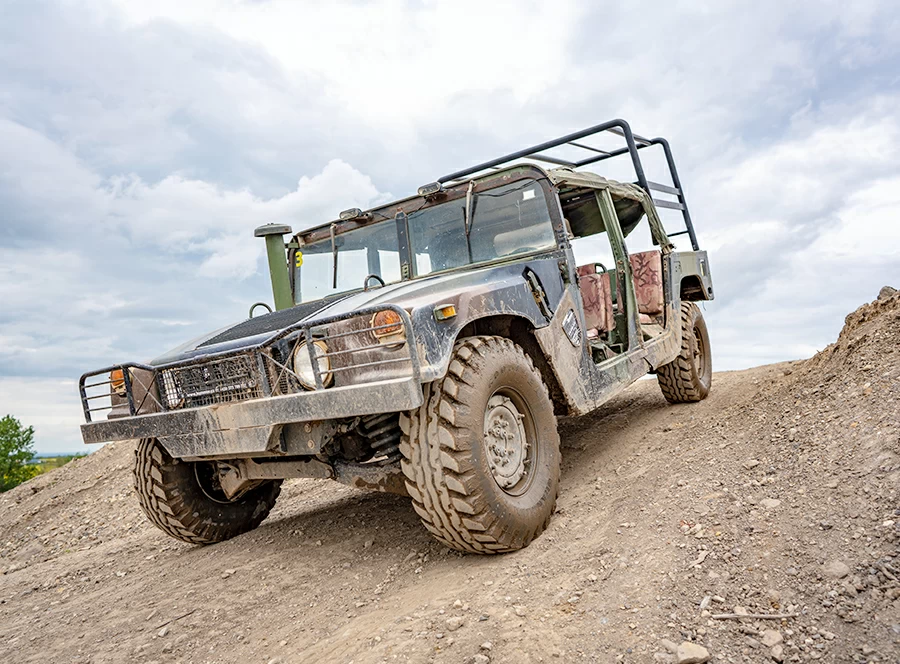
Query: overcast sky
x=141, y=143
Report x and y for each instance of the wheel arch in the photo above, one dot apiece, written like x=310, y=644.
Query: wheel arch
x=520, y=330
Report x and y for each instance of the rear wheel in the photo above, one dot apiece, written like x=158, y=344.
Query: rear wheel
x=481, y=455
x=688, y=377
x=184, y=499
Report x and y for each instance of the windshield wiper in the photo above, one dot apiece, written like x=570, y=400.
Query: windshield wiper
x=334, y=256
x=468, y=211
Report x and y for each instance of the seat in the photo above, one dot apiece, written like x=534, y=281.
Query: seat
x=648, y=285
x=596, y=297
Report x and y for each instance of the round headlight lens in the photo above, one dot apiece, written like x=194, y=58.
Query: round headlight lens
x=303, y=365
x=387, y=324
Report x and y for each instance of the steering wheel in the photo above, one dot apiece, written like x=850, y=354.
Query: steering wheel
x=369, y=278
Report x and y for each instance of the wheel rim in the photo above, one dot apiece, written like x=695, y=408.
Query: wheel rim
x=207, y=474
x=509, y=441
x=699, y=353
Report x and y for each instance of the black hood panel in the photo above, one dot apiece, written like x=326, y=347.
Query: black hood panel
x=273, y=322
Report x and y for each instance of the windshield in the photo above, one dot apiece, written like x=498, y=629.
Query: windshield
x=361, y=252
x=505, y=221
x=512, y=219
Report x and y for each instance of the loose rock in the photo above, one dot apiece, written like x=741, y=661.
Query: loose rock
x=455, y=623
x=836, y=569
x=691, y=653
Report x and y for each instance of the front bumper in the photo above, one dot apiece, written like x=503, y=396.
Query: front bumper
x=247, y=402
x=254, y=427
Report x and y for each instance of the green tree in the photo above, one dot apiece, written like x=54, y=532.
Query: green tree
x=15, y=452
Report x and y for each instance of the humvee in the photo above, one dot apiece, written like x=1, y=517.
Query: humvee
x=426, y=347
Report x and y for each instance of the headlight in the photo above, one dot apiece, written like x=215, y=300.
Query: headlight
x=303, y=365
x=387, y=327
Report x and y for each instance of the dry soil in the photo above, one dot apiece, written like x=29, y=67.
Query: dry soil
x=777, y=495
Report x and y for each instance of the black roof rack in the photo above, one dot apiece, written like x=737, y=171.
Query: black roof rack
x=633, y=143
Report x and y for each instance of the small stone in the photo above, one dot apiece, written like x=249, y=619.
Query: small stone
x=777, y=653
x=769, y=503
x=671, y=646
x=161, y=633
x=836, y=569
x=705, y=602
x=274, y=660
x=487, y=645
x=368, y=544
x=691, y=653
x=740, y=611
x=750, y=464
x=455, y=623
x=457, y=604
x=480, y=659
x=227, y=573
x=771, y=637
x=520, y=611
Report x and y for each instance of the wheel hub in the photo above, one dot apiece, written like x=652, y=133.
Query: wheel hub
x=505, y=440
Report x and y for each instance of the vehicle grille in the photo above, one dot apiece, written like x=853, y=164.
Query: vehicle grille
x=216, y=381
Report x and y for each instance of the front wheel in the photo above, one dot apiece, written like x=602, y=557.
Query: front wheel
x=185, y=501
x=688, y=377
x=481, y=455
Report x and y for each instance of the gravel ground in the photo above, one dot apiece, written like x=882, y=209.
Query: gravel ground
x=777, y=496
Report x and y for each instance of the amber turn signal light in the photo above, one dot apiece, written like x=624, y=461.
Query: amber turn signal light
x=444, y=311
x=117, y=380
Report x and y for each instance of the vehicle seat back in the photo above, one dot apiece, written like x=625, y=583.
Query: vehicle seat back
x=596, y=298
x=648, y=284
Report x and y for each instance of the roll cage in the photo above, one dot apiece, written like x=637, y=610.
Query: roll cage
x=593, y=155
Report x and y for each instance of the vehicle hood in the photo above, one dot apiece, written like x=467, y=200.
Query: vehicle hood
x=407, y=294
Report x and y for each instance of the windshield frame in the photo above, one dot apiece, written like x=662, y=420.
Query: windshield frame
x=397, y=212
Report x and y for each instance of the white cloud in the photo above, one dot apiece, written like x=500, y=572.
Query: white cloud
x=143, y=142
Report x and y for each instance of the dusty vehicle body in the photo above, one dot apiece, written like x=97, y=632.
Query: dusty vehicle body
x=329, y=387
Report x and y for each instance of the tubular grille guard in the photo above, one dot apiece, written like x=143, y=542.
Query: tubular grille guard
x=253, y=372
x=96, y=388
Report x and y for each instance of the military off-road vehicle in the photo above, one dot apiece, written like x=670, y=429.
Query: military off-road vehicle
x=426, y=347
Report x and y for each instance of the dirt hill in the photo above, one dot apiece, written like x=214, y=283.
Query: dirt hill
x=777, y=495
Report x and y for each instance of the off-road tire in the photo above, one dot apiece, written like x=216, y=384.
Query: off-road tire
x=688, y=377
x=445, y=458
x=171, y=496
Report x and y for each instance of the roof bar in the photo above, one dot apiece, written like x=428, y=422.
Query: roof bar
x=587, y=147
x=553, y=160
x=667, y=204
x=621, y=125
x=656, y=186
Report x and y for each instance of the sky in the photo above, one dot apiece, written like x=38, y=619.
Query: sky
x=141, y=144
